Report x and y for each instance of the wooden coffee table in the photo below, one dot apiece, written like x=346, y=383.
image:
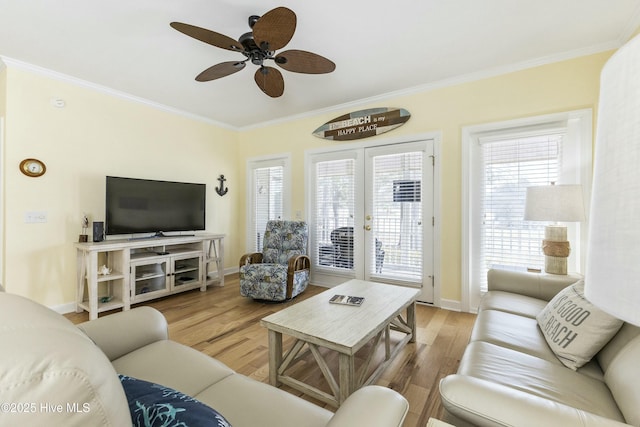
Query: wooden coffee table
x=345, y=329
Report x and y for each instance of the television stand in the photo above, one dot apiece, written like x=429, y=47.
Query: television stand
x=145, y=268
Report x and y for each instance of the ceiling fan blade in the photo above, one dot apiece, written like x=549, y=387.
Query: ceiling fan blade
x=208, y=36
x=220, y=70
x=301, y=61
x=270, y=80
x=274, y=29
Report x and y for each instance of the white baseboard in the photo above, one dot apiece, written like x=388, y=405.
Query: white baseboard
x=452, y=305
x=69, y=307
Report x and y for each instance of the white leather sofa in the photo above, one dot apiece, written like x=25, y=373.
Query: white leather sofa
x=508, y=375
x=53, y=373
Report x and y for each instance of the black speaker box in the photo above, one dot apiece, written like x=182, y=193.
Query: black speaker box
x=98, y=231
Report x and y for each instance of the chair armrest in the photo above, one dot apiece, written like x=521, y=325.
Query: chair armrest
x=121, y=333
x=371, y=406
x=252, y=258
x=536, y=285
x=297, y=263
x=483, y=403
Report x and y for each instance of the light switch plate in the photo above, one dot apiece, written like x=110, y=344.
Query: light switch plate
x=35, y=217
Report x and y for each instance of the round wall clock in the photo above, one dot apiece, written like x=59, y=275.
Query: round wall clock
x=32, y=167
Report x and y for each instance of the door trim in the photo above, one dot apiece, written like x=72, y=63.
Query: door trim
x=437, y=200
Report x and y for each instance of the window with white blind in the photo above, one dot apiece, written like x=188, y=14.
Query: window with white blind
x=334, y=210
x=268, y=196
x=499, y=162
x=510, y=166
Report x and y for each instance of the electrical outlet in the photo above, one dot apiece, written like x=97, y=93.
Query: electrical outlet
x=35, y=217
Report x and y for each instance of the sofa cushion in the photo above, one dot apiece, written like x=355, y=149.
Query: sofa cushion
x=538, y=377
x=574, y=328
x=535, y=285
x=243, y=401
x=154, y=405
x=161, y=363
x=246, y=402
x=512, y=331
x=512, y=303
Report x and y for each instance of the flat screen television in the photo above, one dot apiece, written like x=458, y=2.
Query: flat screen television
x=149, y=206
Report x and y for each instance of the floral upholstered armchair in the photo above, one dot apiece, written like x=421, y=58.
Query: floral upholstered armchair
x=281, y=270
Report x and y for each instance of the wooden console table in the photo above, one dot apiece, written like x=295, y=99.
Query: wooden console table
x=144, y=269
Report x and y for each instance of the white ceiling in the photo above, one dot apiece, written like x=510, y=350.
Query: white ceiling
x=380, y=48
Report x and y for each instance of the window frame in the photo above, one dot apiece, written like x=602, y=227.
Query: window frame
x=576, y=169
x=283, y=160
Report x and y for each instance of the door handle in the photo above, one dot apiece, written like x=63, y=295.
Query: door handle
x=367, y=227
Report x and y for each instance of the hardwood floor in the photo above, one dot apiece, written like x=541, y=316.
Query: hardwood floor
x=224, y=325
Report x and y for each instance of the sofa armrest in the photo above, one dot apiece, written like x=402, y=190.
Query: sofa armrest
x=371, y=406
x=121, y=333
x=484, y=403
x=537, y=285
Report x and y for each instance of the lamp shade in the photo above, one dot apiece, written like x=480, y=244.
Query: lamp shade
x=554, y=203
x=612, y=277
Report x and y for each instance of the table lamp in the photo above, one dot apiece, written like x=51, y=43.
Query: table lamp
x=555, y=203
x=612, y=276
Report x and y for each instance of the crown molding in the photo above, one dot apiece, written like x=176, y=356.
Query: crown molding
x=427, y=87
x=453, y=81
x=21, y=65
x=632, y=28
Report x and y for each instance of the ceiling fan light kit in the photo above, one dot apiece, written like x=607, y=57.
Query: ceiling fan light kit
x=269, y=33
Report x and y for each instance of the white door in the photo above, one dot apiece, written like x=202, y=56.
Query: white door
x=371, y=215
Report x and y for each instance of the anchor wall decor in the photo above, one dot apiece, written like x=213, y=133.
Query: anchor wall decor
x=221, y=190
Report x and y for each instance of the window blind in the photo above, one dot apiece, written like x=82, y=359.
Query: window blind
x=509, y=166
x=335, y=204
x=268, y=200
x=397, y=216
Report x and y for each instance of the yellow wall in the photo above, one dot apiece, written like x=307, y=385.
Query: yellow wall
x=95, y=135
x=3, y=89
x=3, y=103
x=567, y=85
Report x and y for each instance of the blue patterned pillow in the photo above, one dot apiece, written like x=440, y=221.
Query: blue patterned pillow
x=153, y=405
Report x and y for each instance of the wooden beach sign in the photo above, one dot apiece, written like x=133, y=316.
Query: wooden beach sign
x=363, y=124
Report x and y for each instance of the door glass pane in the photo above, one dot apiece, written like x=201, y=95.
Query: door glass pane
x=396, y=246
x=268, y=201
x=334, y=205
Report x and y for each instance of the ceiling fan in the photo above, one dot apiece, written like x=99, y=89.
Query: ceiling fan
x=270, y=32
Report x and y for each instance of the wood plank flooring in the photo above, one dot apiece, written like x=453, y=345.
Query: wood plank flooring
x=224, y=325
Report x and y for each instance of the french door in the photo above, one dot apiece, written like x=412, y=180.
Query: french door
x=371, y=212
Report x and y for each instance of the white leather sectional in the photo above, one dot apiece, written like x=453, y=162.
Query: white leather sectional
x=508, y=375
x=53, y=373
